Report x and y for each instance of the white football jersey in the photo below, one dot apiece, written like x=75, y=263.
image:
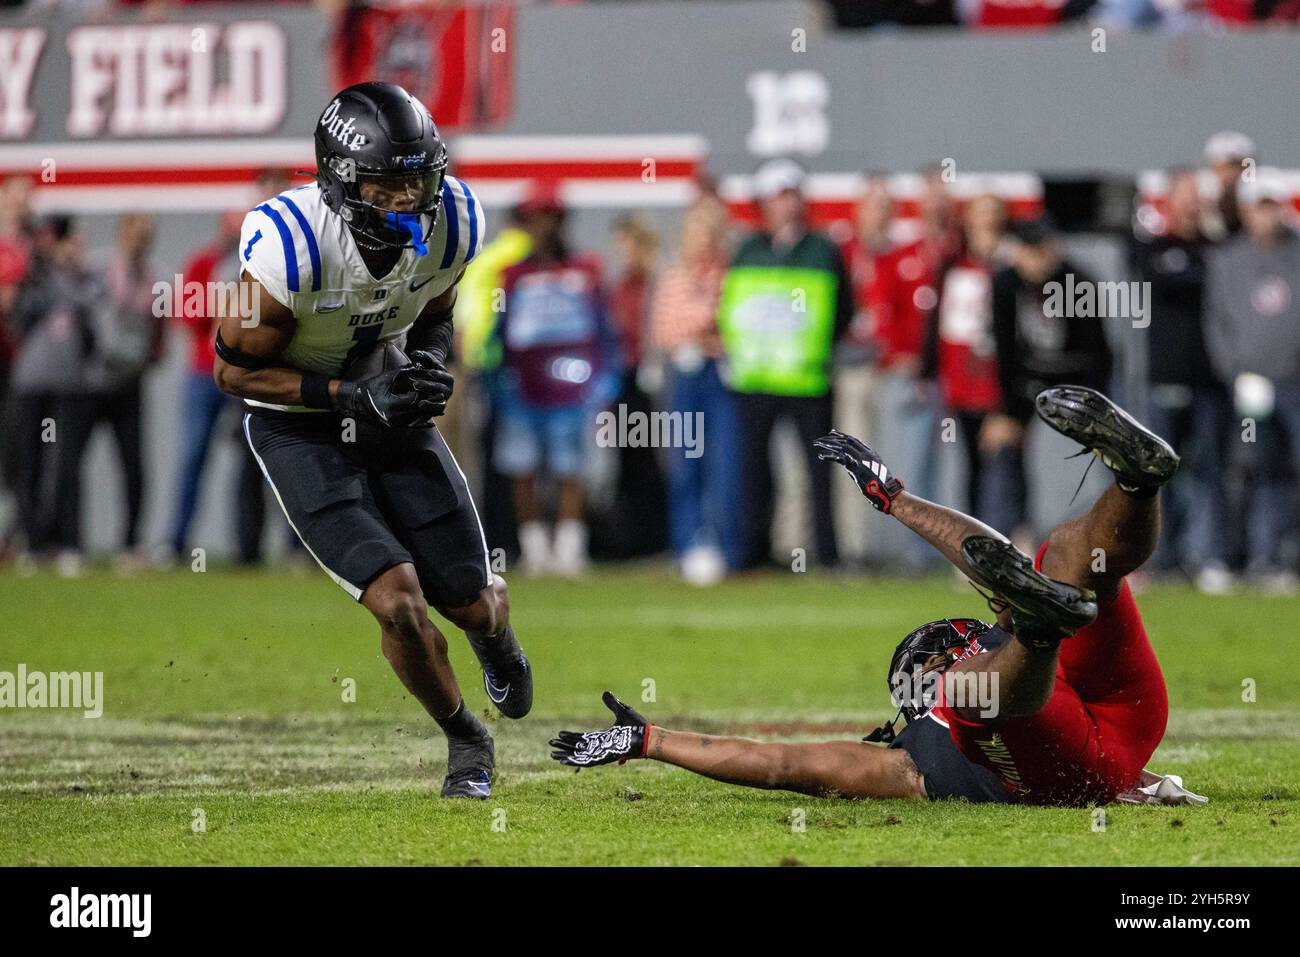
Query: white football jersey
x=303, y=254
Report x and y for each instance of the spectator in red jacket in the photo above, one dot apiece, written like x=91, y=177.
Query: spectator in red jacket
x=900, y=299
x=959, y=348
x=904, y=291
x=857, y=377
x=863, y=255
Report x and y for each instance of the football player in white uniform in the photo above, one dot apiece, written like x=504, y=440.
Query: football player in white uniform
x=344, y=274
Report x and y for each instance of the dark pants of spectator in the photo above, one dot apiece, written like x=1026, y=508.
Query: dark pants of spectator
x=74, y=417
x=704, y=488
x=640, y=515
x=976, y=501
x=1197, y=422
x=497, y=499
x=201, y=405
x=1005, y=490
x=1273, y=459
x=33, y=464
x=52, y=517
x=121, y=411
x=759, y=415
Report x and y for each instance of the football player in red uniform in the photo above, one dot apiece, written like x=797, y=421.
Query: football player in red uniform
x=1078, y=703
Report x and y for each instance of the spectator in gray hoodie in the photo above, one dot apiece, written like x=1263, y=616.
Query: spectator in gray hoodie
x=1253, y=337
x=53, y=320
x=127, y=340
x=86, y=337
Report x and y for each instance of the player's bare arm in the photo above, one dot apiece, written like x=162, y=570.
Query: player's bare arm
x=246, y=364
x=944, y=528
x=846, y=769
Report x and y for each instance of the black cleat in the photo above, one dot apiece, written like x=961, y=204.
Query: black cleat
x=507, y=676
x=470, y=762
x=1140, y=459
x=1043, y=610
x=510, y=686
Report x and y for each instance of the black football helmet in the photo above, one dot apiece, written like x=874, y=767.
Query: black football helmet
x=380, y=164
x=911, y=686
x=953, y=638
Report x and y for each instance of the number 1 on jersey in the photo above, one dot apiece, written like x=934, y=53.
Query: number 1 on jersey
x=365, y=338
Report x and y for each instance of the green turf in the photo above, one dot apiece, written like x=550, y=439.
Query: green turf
x=224, y=694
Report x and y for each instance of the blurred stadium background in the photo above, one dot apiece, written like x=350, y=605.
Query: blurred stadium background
x=1122, y=139
x=1071, y=110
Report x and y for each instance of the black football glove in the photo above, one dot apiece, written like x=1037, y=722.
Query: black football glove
x=404, y=398
x=866, y=467
x=436, y=366
x=624, y=739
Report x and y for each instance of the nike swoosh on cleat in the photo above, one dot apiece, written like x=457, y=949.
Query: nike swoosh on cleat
x=495, y=691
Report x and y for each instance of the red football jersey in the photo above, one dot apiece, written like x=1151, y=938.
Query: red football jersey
x=967, y=360
x=903, y=296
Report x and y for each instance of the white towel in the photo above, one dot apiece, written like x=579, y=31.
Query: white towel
x=1152, y=788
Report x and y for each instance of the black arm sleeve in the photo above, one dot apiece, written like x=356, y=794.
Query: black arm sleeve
x=432, y=332
x=946, y=771
x=238, y=357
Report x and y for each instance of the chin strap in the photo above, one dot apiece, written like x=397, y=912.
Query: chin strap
x=885, y=734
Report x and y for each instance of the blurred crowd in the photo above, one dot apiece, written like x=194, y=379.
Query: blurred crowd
x=971, y=14
x=79, y=332
x=928, y=341
x=1042, y=14
x=933, y=343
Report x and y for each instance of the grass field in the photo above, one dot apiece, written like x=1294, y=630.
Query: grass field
x=224, y=699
